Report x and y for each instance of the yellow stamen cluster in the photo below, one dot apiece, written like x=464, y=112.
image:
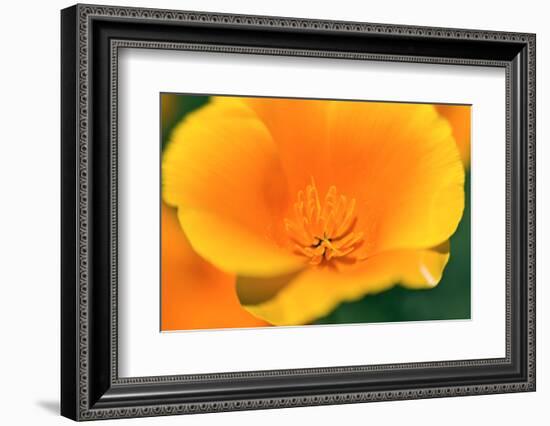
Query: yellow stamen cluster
x=322, y=232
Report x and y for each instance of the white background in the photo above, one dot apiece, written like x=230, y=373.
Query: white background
x=29, y=225
x=146, y=352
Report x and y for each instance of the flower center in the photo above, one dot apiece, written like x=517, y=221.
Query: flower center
x=322, y=231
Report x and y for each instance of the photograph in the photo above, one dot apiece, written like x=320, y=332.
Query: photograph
x=301, y=212
x=275, y=213
x=262, y=210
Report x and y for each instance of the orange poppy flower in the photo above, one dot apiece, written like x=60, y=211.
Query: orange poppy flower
x=195, y=294
x=312, y=203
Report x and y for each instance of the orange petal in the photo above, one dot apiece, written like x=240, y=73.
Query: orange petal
x=421, y=269
x=402, y=165
x=195, y=294
x=168, y=106
x=222, y=172
x=299, y=129
x=315, y=292
x=459, y=116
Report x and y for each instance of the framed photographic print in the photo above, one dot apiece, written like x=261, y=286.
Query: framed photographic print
x=264, y=212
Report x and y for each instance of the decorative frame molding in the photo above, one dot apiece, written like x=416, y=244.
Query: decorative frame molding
x=91, y=37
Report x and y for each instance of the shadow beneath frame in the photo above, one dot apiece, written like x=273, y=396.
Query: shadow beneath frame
x=51, y=406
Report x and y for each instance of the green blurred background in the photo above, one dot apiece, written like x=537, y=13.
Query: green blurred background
x=449, y=300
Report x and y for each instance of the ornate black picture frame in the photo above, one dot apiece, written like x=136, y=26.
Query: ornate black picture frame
x=90, y=38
